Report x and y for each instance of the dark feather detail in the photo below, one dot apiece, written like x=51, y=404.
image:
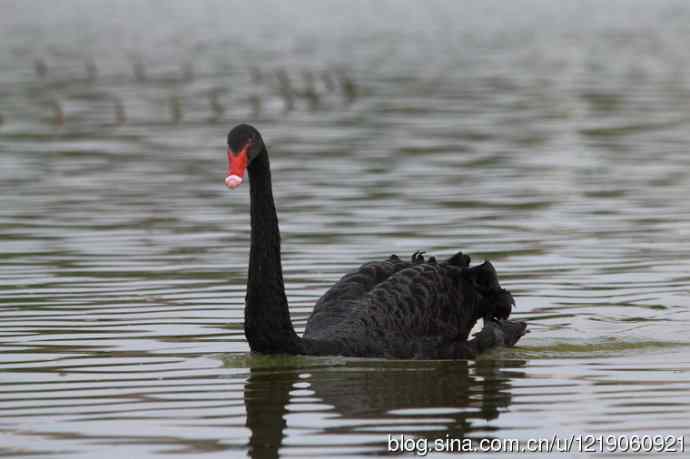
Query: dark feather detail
x=410, y=309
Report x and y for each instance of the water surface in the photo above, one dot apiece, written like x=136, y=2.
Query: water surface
x=552, y=139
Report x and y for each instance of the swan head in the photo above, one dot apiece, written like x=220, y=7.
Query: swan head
x=244, y=145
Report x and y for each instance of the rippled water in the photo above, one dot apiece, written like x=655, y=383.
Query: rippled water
x=550, y=138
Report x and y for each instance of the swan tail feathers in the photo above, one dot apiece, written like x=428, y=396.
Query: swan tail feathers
x=460, y=260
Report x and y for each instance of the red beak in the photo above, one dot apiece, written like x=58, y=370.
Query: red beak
x=237, y=165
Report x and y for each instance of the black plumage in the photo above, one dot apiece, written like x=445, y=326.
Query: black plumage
x=392, y=308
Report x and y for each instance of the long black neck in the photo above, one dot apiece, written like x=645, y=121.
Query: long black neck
x=267, y=324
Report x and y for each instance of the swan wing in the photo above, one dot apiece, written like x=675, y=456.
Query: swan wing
x=412, y=310
x=346, y=294
x=367, y=287
x=426, y=300
x=426, y=303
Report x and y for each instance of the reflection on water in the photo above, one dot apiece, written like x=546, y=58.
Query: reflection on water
x=550, y=138
x=367, y=400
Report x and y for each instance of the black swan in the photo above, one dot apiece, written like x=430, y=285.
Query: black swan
x=394, y=308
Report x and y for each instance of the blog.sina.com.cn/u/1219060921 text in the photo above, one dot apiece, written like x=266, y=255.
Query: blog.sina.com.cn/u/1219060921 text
x=580, y=443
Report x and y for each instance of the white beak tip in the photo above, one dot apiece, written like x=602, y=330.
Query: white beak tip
x=233, y=181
